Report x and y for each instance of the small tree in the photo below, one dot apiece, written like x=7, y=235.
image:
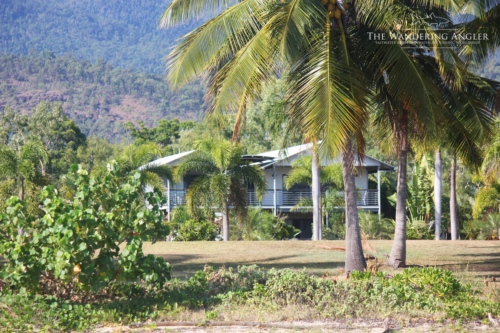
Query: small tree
x=21, y=169
x=75, y=248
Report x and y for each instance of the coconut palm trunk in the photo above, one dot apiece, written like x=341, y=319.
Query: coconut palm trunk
x=397, y=259
x=438, y=193
x=316, y=196
x=354, y=259
x=453, y=201
x=225, y=222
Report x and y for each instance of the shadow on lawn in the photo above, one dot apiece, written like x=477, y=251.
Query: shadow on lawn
x=184, y=270
x=479, y=255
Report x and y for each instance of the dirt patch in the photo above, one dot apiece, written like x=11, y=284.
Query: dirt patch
x=341, y=325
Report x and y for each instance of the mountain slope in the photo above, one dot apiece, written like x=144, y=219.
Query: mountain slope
x=97, y=96
x=124, y=33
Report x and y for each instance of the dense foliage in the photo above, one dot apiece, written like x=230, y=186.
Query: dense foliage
x=74, y=249
x=123, y=33
x=224, y=293
x=97, y=96
x=259, y=224
x=192, y=230
x=165, y=134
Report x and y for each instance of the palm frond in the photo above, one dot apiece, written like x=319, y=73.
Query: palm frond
x=326, y=94
x=181, y=11
x=197, y=162
x=216, y=39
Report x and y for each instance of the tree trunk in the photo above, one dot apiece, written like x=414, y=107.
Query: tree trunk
x=354, y=259
x=438, y=193
x=20, y=231
x=453, y=201
x=397, y=259
x=316, y=196
x=21, y=188
x=44, y=172
x=225, y=222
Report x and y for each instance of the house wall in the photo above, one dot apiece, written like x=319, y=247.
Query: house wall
x=361, y=180
x=280, y=171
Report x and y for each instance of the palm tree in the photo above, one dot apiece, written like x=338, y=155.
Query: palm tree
x=438, y=192
x=307, y=170
x=222, y=179
x=460, y=124
x=251, y=42
x=140, y=157
x=316, y=195
x=480, y=17
x=453, y=200
x=332, y=71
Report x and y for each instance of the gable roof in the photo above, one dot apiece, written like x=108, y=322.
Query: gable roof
x=172, y=159
x=282, y=157
x=285, y=156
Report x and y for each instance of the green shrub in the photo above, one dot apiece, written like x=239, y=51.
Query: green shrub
x=418, y=229
x=486, y=198
x=192, y=230
x=259, y=224
x=374, y=228
x=74, y=248
x=414, y=292
x=489, y=228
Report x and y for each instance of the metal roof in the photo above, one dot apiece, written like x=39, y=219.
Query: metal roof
x=166, y=160
x=278, y=155
x=267, y=159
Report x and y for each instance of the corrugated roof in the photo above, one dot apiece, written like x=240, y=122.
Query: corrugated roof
x=280, y=155
x=272, y=156
x=166, y=160
x=287, y=152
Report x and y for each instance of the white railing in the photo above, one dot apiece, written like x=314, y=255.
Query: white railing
x=367, y=197
x=286, y=198
x=177, y=198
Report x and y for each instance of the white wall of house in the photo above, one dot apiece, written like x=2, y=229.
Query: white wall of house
x=362, y=179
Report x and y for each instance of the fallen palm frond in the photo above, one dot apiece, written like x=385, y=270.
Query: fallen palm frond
x=330, y=247
x=367, y=246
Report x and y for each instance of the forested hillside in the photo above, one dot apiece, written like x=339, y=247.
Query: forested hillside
x=97, y=96
x=124, y=33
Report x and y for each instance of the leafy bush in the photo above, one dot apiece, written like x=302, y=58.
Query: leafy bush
x=431, y=289
x=74, y=248
x=192, y=230
x=489, y=228
x=179, y=215
x=259, y=224
x=413, y=292
x=374, y=228
x=418, y=229
x=486, y=198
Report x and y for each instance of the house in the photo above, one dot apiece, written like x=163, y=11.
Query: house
x=276, y=164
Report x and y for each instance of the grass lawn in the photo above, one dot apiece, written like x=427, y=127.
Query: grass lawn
x=481, y=257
